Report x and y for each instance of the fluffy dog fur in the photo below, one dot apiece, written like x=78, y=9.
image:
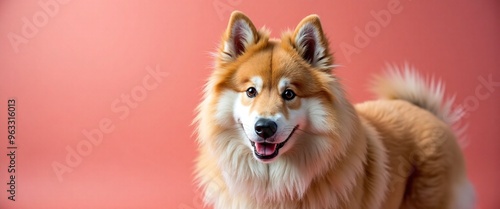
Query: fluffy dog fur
x=396, y=152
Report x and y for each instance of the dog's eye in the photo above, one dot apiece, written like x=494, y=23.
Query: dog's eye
x=251, y=92
x=288, y=94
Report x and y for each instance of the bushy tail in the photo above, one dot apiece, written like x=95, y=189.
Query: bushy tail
x=428, y=93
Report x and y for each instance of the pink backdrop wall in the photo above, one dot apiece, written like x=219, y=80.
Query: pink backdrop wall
x=130, y=73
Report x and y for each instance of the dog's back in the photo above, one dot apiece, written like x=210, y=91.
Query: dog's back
x=415, y=124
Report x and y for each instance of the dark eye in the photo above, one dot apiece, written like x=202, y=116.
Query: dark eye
x=288, y=94
x=251, y=92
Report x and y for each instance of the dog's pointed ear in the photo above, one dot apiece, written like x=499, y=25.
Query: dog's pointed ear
x=311, y=43
x=239, y=35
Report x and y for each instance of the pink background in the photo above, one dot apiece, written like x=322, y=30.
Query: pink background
x=86, y=54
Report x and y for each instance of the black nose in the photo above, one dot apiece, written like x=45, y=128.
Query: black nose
x=265, y=128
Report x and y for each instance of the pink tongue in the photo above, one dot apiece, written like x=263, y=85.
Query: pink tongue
x=265, y=148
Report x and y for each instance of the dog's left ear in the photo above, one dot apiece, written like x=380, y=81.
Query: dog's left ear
x=311, y=43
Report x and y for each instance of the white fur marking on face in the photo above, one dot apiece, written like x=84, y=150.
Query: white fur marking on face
x=257, y=83
x=283, y=84
x=225, y=107
x=317, y=115
x=242, y=115
x=296, y=117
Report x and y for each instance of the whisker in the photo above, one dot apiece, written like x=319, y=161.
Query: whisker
x=304, y=131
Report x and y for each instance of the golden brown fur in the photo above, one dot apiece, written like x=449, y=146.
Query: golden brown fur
x=379, y=154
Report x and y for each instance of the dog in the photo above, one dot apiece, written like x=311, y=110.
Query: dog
x=275, y=130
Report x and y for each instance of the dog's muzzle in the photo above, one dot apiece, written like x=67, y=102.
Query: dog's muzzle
x=267, y=150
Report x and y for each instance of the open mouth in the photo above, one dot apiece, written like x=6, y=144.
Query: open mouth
x=266, y=151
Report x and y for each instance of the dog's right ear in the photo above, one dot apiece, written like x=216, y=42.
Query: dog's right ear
x=239, y=35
